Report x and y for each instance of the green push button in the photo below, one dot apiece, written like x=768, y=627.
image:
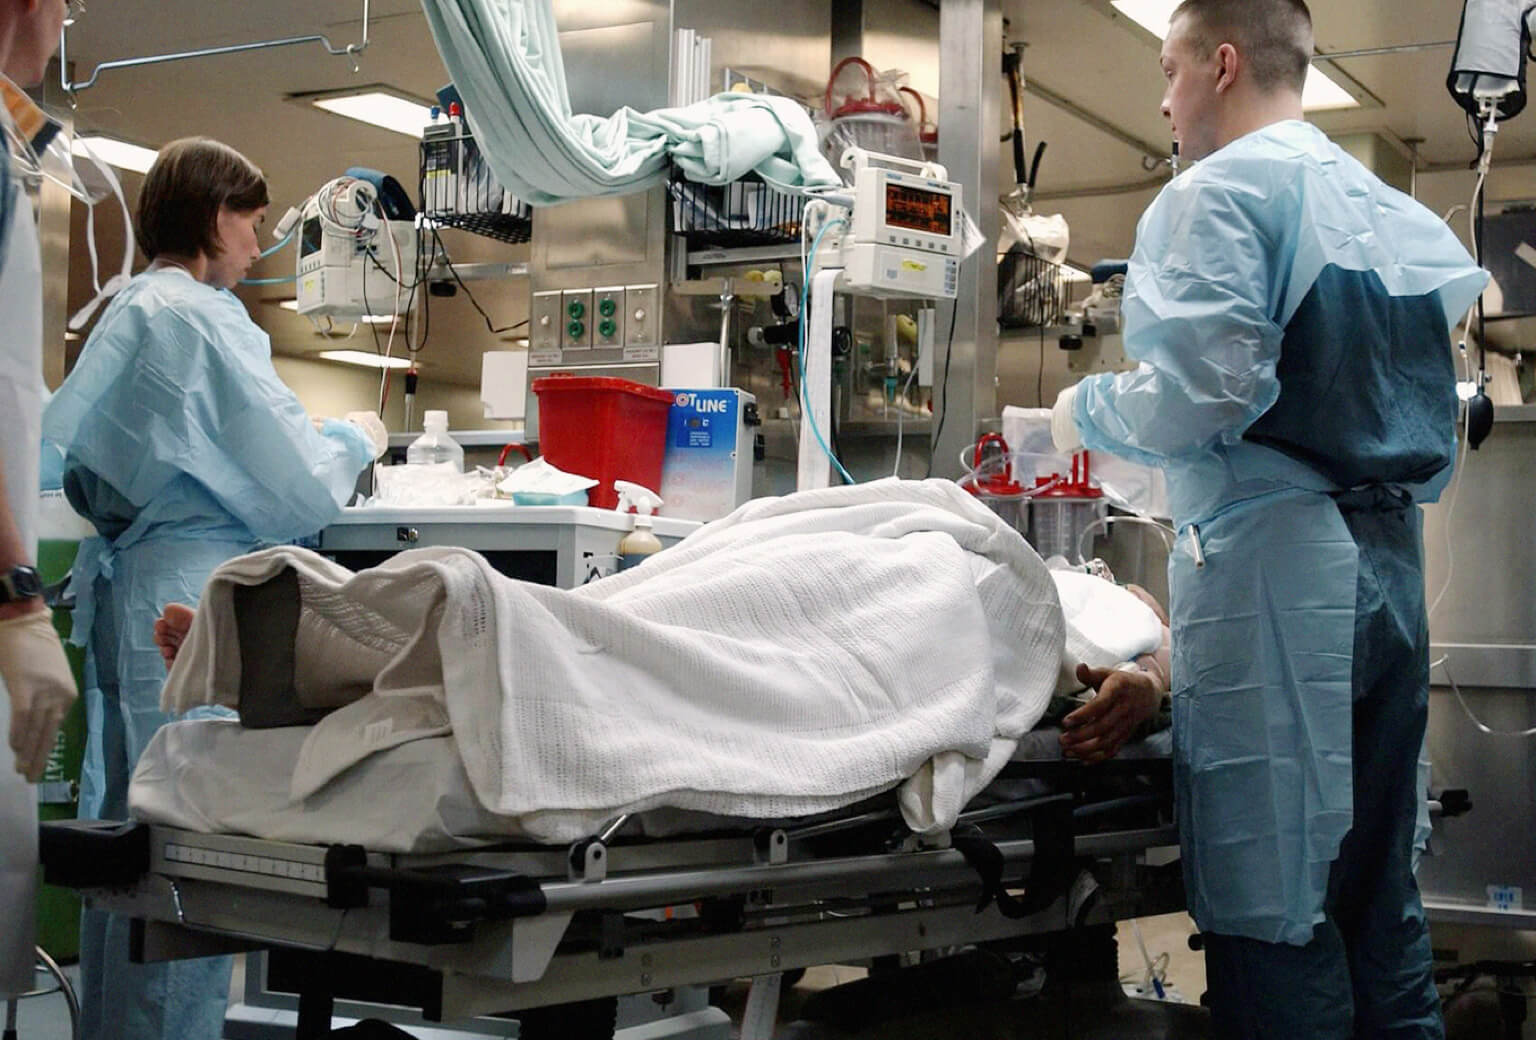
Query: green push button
x=576, y=329
x=607, y=307
x=607, y=328
x=576, y=309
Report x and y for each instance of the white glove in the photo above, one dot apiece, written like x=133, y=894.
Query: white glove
x=373, y=427
x=1063, y=426
x=41, y=686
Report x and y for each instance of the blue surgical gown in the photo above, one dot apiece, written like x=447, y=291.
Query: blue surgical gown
x=1289, y=315
x=184, y=448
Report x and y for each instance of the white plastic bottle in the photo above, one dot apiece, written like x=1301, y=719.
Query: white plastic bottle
x=435, y=445
x=641, y=541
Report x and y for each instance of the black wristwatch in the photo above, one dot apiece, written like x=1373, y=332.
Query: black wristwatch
x=20, y=583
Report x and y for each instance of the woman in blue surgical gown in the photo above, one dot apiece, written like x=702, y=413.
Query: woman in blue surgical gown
x=184, y=449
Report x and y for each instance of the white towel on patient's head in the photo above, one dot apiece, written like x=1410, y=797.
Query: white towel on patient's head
x=1106, y=625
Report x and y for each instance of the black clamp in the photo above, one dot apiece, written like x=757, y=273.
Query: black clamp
x=1456, y=801
x=1050, y=871
x=432, y=905
x=93, y=853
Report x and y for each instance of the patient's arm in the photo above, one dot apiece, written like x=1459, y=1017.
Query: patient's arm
x=1157, y=662
x=171, y=627
x=1123, y=702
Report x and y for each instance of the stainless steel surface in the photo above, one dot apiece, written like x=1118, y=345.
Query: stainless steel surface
x=615, y=54
x=351, y=50
x=1440, y=911
x=1470, y=664
x=642, y=316
x=1490, y=601
x=1486, y=631
x=1495, y=843
x=783, y=44
x=970, y=40
x=744, y=255
x=477, y=272
x=545, y=327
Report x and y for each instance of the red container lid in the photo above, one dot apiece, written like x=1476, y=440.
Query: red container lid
x=610, y=383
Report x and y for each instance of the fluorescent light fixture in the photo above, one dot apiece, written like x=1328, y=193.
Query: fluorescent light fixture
x=378, y=108
x=1320, y=91
x=117, y=153
x=366, y=319
x=1072, y=274
x=364, y=358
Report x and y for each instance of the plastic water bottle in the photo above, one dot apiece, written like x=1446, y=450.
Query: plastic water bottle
x=435, y=445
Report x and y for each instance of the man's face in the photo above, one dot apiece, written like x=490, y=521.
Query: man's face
x=1190, y=97
x=37, y=37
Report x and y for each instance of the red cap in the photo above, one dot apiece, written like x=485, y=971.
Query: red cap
x=454, y=109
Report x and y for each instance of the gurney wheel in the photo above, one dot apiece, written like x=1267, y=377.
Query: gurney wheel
x=583, y=1020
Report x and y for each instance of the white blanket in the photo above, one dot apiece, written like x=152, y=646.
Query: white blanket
x=799, y=655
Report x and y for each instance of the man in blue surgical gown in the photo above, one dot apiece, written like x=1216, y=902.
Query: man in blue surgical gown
x=1290, y=317
x=184, y=449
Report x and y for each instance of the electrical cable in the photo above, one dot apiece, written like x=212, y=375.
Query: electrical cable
x=1479, y=723
x=901, y=403
x=1170, y=536
x=949, y=350
x=438, y=239
x=281, y=243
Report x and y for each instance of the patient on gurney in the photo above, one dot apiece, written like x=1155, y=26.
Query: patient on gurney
x=801, y=655
x=1115, y=707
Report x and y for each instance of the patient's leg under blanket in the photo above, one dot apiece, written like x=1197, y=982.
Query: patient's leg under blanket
x=267, y=622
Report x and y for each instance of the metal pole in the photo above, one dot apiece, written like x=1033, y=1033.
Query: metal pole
x=351, y=50
x=1371, y=52
x=965, y=373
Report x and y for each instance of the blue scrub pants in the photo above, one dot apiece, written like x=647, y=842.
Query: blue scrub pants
x=1368, y=971
x=170, y=1000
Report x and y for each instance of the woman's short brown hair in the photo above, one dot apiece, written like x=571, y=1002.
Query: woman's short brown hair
x=183, y=191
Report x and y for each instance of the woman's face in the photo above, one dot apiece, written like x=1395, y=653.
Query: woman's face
x=238, y=247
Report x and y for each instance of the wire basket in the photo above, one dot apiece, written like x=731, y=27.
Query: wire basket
x=729, y=216
x=1031, y=292
x=458, y=189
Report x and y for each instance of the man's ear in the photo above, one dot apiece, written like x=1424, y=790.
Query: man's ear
x=1228, y=62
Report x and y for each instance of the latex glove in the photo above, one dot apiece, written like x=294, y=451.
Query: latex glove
x=1063, y=426
x=41, y=686
x=373, y=426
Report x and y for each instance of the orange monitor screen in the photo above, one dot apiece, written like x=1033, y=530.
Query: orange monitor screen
x=917, y=209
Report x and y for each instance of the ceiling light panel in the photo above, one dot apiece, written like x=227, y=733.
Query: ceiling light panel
x=364, y=358
x=117, y=153
x=377, y=108
x=1320, y=93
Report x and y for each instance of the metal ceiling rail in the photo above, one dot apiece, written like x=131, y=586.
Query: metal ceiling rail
x=351, y=50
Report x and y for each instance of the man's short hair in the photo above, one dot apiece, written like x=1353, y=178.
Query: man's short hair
x=183, y=191
x=1275, y=36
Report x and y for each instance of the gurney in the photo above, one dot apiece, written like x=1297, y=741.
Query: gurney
x=398, y=871
x=494, y=930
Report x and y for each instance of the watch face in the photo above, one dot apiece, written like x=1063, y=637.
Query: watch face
x=24, y=583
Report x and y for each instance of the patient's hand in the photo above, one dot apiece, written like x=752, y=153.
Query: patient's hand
x=171, y=627
x=1096, y=731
